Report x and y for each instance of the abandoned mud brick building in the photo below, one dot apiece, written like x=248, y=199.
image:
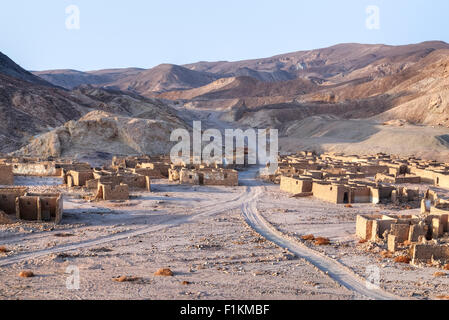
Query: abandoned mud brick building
x=209, y=177
x=39, y=207
x=425, y=238
x=153, y=167
x=297, y=185
x=6, y=175
x=78, y=178
x=108, y=191
x=19, y=203
x=43, y=168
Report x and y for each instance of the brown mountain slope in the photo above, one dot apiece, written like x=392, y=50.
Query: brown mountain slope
x=336, y=61
x=27, y=109
x=162, y=78
x=243, y=87
x=70, y=79
x=11, y=69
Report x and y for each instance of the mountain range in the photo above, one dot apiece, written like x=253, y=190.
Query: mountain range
x=406, y=85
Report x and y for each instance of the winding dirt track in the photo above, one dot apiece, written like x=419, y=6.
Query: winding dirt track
x=338, y=272
x=206, y=211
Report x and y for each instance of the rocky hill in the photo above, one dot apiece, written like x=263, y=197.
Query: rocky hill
x=103, y=134
x=30, y=108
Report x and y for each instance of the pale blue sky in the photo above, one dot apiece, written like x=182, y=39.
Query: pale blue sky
x=145, y=33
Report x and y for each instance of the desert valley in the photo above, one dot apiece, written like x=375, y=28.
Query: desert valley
x=92, y=206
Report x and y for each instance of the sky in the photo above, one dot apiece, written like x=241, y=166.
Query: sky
x=100, y=34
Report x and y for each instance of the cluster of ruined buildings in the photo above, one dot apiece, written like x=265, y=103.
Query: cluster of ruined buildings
x=378, y=179
x=112, y=182
x=424, y=237
x=356, y=179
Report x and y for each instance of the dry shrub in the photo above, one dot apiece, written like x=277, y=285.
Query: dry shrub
x=63, y=235
x=26, y=274
x=446, y=267
x=164, y=272
x=125, y=279
x=308, y=237
x=320, y=241
x=402, y=259
x=185, y=283
x=348, y=206
x=3, y=249
x=386, y=254
x=440, y=274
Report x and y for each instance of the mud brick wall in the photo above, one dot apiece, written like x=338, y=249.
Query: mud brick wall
x=134, y=181
x=330, y=192
x=400, y=231
x=28, y=208
x=296, y=185
x=424, y=252
x=42, y=169
x=110, y=192
x=79, y=178
x=6, y=175
x=8, y=199
x=219, y=178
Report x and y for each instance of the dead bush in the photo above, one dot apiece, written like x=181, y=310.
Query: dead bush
x=3, y=249
x=440, y=274
x=185, y=283
x=361, y=241
x=386, y=254
x=446, y=267
x=320, y=241
x=348, y=206
x=63, y=235
x=165, y=272
x=308, y=237
x=125, y=279
x=443, y=297
x=26, y=274
x=402, y=259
